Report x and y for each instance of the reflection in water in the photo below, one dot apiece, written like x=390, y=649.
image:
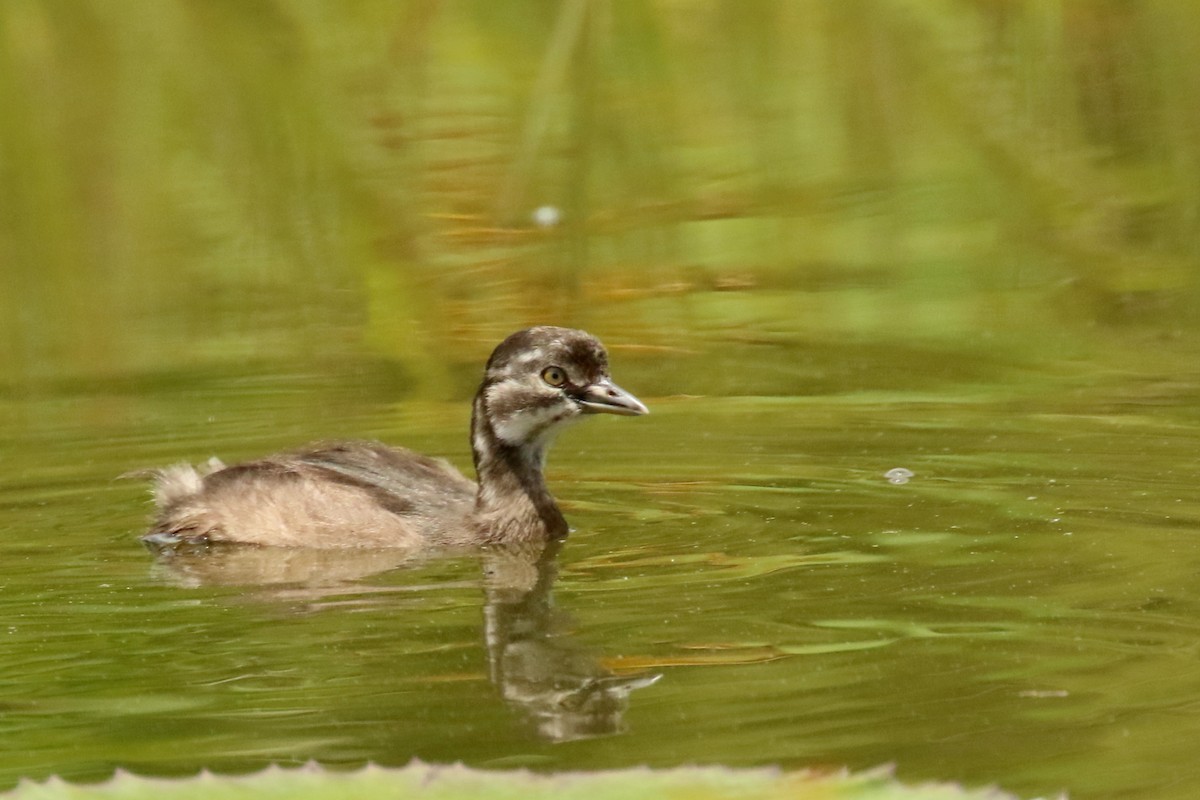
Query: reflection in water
x=317, y=572
x=537, y=667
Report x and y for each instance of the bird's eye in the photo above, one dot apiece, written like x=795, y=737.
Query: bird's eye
x=554, y=376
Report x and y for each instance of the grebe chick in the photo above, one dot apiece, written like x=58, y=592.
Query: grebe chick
x=366, y=494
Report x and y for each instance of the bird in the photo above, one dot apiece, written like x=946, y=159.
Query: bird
x=365, y=494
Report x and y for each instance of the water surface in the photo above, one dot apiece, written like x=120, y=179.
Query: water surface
x=1021, y=611
x=824, y=241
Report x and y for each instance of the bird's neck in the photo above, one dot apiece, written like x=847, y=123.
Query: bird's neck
x=512, y=503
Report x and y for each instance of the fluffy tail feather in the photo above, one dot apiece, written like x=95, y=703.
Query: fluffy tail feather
x=177, y=482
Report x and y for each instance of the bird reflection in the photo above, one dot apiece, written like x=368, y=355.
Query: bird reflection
x=278, y=572
x=559, y=685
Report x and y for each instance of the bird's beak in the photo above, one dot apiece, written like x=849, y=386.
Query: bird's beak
x=605, y=397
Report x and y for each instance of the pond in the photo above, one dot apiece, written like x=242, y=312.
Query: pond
x=744, y=585
x=910, y=289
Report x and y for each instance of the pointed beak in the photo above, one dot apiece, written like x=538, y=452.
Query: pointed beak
x=605, y=397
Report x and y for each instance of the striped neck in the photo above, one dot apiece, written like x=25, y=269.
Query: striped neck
x=512, y=503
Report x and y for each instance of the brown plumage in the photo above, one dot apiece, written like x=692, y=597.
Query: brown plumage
x=366, y=494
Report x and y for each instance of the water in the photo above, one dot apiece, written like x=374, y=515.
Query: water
x=824, y=241
x=744, y=586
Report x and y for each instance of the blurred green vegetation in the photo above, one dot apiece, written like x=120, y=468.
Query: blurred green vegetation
x=451, y=783
x=187, y=182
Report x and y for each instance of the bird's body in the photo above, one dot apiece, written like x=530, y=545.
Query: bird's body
x=366, y=494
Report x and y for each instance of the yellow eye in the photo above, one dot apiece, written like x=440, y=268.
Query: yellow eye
x=554, y=376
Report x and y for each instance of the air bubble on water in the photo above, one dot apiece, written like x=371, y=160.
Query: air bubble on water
x=898, y=475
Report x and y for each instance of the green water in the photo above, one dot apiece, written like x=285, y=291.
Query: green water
x=822, y=240
x=1022, y=611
